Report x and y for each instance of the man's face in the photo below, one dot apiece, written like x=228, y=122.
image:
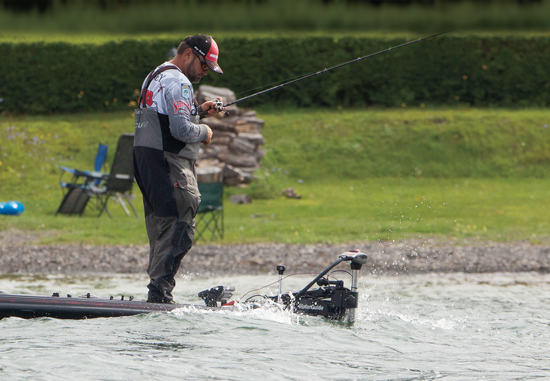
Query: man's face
x=196, y=69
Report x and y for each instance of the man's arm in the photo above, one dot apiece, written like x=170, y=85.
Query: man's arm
x=179, y=104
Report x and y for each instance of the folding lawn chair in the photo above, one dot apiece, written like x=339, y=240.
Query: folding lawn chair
x=209, y=219
x=118, y=183
x=74, y=201
x=79, y=175
x=75, y=194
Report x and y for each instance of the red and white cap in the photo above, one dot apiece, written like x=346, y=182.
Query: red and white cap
x=207, y=48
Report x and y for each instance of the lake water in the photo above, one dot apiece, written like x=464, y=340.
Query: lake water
x=425, y=327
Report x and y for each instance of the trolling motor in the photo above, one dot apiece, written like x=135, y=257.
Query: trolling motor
x=331, y=300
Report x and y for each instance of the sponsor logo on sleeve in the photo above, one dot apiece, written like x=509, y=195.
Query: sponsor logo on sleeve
x=185, y=91
x=181, y=107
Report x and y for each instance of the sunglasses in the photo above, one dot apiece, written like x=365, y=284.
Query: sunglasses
x=204, y=66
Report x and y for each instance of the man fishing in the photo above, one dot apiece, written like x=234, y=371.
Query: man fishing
x=166, y=145
x=167, y=141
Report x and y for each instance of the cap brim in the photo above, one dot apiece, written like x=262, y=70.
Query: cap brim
x=214, y=67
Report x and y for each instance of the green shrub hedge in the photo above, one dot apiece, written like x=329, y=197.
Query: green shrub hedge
x=444, y=71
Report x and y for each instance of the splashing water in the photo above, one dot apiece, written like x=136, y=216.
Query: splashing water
x=456, y=326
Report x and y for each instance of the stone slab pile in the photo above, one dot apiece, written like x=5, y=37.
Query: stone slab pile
x=236, y=141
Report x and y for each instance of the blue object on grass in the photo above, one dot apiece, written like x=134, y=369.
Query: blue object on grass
x=13, y=208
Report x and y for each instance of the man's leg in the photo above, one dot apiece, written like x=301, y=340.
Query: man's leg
x=160, y=286
x=174, y=234
x=155, y=231
x=173, y=242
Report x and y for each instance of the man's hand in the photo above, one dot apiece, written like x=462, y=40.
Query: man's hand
x=209, y=135
x=210, y=108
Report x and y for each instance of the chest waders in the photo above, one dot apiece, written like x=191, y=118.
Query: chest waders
x=170, y=194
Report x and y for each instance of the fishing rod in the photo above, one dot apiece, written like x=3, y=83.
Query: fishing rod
x=329, y=69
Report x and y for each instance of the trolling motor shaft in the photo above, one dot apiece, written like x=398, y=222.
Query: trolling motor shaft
x=357, y=261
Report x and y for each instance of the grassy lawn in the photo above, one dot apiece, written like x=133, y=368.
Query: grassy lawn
x=335, y=211
x=440, y=181
x=394, y=209
x=409, y=141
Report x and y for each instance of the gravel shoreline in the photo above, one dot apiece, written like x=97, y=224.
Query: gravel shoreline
x=19, y=256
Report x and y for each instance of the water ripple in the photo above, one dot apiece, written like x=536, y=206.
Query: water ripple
x=429, y=327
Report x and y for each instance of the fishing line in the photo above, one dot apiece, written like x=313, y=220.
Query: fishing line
x=273, y=83
x=331, y=68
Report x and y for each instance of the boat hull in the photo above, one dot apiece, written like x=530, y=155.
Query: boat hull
x=30, y=306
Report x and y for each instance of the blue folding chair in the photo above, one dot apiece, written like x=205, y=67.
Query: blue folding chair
x=100, y=158
x=75, y=192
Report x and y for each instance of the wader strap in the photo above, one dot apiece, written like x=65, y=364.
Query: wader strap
x=150, y=78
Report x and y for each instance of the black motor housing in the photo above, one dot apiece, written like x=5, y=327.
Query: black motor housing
x=329, y=302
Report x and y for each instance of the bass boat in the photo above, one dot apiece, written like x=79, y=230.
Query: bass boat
x=330, y=300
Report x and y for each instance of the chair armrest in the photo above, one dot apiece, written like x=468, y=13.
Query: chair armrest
x=97, y=175
x=72, y=171
x=86, y=175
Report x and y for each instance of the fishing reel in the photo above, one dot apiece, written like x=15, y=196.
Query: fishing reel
x=218, y=106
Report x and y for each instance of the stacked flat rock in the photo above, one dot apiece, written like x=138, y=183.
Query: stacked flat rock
x=236, y=140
